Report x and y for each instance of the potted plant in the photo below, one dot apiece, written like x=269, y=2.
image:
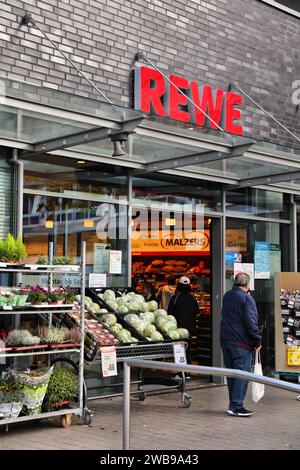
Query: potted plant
x=20, y=251
x=37, y=296
x=11, y=399
x=69, y=295
x=53, y=335
x=42, y=260
x=62, y=260
x=22, y=339
x=9, y=248
x=54, y=297
x=62, y=389
x=73, y=336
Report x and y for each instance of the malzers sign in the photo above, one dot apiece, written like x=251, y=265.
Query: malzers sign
x=154, y=94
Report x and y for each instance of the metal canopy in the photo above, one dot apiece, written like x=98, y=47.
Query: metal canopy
x=83, y=137
x=198, y=159
x=41, y=121
x=278, y=178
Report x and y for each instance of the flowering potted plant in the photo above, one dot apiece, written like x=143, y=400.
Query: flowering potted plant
x=54, y=297
x=37, y=296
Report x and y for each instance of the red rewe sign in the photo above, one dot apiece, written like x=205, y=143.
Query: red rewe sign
x=154, y=94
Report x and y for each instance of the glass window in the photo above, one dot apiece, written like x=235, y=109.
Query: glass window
x=73, y=178
x=68, y=222
x=243, y=245
x=160, y=189
x=257, y=202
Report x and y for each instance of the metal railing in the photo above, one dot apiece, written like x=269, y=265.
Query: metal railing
x=195, y=370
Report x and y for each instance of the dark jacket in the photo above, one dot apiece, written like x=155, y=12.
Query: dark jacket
x=240, y=319
x=184, y=307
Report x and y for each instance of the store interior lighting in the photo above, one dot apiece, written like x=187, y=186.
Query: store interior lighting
x=170, y=222
x=49, y=223
x=88, y=223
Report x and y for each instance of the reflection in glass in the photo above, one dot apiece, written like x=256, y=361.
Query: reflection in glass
x=64, y=222
x=72, y=178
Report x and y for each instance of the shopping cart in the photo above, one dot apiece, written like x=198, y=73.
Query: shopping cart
x=163, y=350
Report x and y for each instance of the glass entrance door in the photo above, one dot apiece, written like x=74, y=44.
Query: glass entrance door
x=263, y=247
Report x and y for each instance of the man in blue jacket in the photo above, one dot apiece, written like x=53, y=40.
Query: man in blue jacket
x=240, y=337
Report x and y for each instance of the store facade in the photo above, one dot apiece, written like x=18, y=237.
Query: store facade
x=181, y=197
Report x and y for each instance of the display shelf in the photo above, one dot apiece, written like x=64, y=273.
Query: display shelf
x=47, y=311
x=32, y=312
x=39, y=267
x=50, y=414
x=39, y=353
x=37, y=272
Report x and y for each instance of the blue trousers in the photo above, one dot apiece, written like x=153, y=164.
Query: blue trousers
x=237, y=358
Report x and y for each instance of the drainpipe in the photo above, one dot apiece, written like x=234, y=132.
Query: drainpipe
x=18, y=219
x=18, y=209
x=293, y=253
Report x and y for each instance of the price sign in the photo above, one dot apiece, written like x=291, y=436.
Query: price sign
x=179, y=353
x=109, y=361
x=7, y=307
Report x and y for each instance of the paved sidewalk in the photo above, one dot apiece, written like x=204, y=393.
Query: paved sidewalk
x=160, y=423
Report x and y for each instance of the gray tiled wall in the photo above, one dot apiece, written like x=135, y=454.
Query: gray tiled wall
x=215, y=42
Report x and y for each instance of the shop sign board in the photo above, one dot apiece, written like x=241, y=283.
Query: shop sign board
x=198, y=241
x=293, y=356
x=154, y=94
x=236, y=240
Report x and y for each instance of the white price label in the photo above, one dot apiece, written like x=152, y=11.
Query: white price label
x=109, y=361
x=7, y=307
x=179, y=353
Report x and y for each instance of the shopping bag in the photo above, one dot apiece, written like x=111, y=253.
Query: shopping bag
x=258, y=390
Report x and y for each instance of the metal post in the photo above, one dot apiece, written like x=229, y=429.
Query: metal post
x=30, y=21
x=293, y=235
x=18, y=220
x=129, y=227
x=81, y=358
x=50, y=275
x=126, y=407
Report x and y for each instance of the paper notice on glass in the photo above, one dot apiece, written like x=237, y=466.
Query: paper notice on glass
x=179, y=353
x=275, y=258
x=101, y=258
x=262, y=260
x=245, y=268
x=109, y=361
x=97, y=280
x=115, y=262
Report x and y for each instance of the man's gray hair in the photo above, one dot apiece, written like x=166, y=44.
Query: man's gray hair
x=241, y=280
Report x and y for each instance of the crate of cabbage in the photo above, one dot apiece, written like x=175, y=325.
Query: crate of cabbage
x=114, y=323
x=145, y=317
